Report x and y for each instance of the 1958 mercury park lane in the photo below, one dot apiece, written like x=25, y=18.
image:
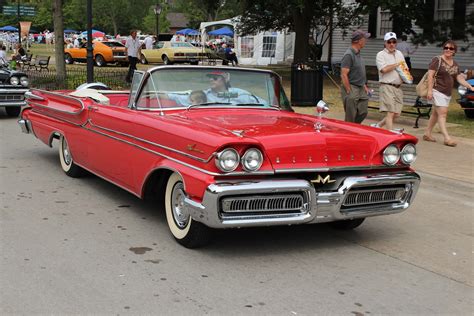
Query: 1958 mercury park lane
x=222, y=148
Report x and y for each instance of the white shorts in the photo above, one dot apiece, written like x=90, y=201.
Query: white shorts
x=440, y=99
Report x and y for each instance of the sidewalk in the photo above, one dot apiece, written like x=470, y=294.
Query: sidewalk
x=455, y=163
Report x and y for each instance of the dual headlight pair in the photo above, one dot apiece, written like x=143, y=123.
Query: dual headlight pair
x=228, y=160
x=22, y=80
x=391, y=154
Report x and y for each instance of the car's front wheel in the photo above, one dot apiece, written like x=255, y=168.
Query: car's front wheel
x=185, y=230
x=67, y=163
x=13, y=111
x=347, y=224
x=100, y=61
x=68, y=59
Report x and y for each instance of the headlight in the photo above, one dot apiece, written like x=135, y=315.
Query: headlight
x=24, y=81
x=14, y=81
x=252, y=159
x=462, y=90
x=227, y=160
x=408, y=154
x=391, y=155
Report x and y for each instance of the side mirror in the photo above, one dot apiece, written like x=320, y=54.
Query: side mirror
x=321, y=108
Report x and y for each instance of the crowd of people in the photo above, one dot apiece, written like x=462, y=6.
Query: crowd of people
x=443, y=72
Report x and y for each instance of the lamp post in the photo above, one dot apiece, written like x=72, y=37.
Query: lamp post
x=157, y=9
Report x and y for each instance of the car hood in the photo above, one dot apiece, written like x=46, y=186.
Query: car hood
x=299, y=141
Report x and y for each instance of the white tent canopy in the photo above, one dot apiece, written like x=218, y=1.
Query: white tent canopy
x=260, y=49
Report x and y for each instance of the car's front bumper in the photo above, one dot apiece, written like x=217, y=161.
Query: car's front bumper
x=357, y=197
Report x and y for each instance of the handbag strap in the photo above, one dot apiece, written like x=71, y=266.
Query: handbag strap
x=439, y=65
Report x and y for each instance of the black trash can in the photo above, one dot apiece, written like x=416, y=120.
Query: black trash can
x=306, y=84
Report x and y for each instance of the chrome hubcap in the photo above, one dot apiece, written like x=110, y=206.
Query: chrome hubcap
x=177, y=203
x=66, y=154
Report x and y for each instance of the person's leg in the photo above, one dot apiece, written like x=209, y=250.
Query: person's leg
x=431, y=123
x=389, y=117
x=442, y=114
x=362, y=105
x=130, y=69
x=349, y=103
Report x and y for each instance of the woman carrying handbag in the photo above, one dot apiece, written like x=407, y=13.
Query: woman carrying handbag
x=440, y=88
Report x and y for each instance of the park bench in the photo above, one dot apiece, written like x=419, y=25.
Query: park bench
x=25, y=61
x=413, y=104
x=41, y=62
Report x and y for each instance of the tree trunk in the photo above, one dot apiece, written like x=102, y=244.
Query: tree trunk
x=302, y=22
x=58, y=21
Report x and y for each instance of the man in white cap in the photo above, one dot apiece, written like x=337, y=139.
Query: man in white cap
x=390, y=94
x=354, y=88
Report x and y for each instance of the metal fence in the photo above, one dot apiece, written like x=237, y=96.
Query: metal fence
x=49, y=80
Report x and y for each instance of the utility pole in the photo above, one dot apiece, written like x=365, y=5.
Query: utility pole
x=19, y=24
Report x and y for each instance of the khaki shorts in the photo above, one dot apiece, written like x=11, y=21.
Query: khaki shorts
x=391, y=99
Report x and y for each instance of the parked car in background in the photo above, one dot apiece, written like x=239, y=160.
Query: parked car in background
x=13, y=85
x=168, y=52
x=103, y=52
x=220, y=148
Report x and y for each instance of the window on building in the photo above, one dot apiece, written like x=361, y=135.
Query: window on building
x=246, y=47
x=444, y=10
x=269, y=45
x=385, y=23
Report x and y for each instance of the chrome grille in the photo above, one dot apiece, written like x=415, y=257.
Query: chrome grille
x=364, y=196
x=12, y=97
x=263, y=204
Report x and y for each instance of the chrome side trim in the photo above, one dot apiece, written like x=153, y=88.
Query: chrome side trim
x=152, y=143
x=179, y=161
x=60, y=118
x=62, y=96
x=18, y=103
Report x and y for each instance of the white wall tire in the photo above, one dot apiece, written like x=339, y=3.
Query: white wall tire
x=185, y=230
x=65, y=158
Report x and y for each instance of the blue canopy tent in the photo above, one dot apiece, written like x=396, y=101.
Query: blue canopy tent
x=188, y=32
x=8, y=28
x=225, y=31
x=69, y=31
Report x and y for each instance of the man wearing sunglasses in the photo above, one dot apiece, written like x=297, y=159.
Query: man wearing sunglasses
x=391, y=94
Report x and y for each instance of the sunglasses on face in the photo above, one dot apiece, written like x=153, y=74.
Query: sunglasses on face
x=215, y=77
x=392, y=42
x=449, y=48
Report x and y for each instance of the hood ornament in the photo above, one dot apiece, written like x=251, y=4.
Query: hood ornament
x=239, y=133
x=318, y=126
x=321, y=108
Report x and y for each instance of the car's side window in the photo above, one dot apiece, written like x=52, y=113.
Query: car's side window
x=148, y=98
x=137, y=78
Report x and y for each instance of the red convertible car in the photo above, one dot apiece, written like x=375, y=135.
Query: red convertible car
x=222, y=148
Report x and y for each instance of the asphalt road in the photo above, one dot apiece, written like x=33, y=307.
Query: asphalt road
x=77, y=246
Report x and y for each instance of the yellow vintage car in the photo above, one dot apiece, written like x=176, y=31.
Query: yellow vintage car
x=173, y=52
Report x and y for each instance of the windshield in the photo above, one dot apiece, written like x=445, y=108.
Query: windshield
x=192, y=87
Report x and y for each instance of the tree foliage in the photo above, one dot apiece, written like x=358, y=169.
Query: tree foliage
x=300, y=16
x=198, y=11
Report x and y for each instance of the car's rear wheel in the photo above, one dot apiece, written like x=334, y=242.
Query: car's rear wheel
x=13, y=111
x=347, y=224
x=185, y=230
x=143, y=59
x=67, y=163
x=100, y=61
x=68, y=59
x=469, y=113
x=166, y=60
